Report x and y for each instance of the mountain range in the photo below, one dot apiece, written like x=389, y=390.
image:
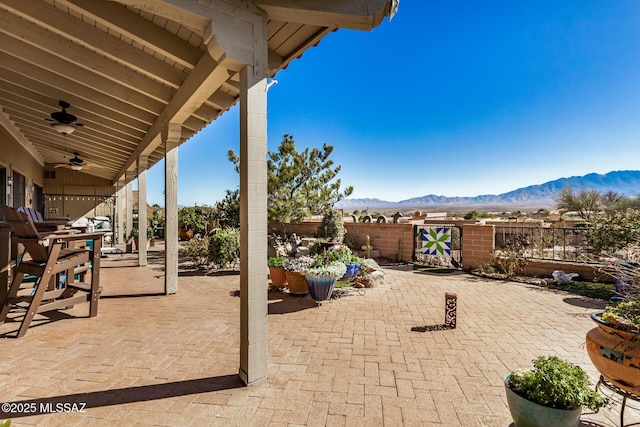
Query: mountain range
x=541, y=195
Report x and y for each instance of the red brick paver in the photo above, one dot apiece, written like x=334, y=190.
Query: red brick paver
x=173, y=360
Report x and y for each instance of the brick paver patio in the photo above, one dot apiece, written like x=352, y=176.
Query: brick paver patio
x=160, y=360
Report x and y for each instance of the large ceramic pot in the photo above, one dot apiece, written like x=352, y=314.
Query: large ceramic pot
x=277, y=276
x=615, y=353
x=352, y=271
x=185, y=234
x=297, y=283
x=320, y=287
x=526, y=413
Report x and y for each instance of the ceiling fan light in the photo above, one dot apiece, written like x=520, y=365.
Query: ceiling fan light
x=63, y=129
x=76, y=167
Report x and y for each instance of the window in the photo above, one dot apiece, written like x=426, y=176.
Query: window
x=38, y=199
x=3, y=186
x=18, y=189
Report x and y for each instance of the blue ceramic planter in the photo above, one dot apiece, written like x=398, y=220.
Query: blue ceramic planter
x=320, y=288
x=352, y=271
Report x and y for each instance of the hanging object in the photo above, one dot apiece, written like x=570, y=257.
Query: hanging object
x=63, y=122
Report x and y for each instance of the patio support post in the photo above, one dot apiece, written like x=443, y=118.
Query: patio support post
x=118, y=222
x=5, y=259
x=171, y=138
x=253, y=227
x=142, y=210
x=129, y=177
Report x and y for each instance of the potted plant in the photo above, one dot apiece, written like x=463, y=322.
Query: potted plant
x=552, y=393
x=133, y=236
x=321, y=278
x=614, y=345
x=294, y=271
x=135, y=233
x=276, y=271
x=343, y=254
x=191, y=220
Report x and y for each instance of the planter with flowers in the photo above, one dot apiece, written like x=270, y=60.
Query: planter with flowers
x=276, y=271
x=343, y=254
x=553, y=393
x=294, y=271
x=321, y=278
x=614, y=345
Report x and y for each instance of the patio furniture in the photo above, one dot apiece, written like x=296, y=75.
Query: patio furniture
x=42, y=224
x=54, y=260
x=32, y=213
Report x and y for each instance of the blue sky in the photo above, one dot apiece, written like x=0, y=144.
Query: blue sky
x=454, y=98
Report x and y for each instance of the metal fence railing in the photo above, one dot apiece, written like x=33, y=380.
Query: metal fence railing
x=547, y=243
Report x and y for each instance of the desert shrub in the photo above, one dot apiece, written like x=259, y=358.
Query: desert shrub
x=196, y=250
x=509, y=261
x=224, y=248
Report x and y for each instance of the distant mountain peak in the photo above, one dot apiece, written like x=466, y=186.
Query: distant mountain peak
x=625, y=182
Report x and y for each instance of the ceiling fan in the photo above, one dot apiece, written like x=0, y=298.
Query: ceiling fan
x=75, y=163
x=62, y=121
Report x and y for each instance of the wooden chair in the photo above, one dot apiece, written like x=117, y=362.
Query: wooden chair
x=32, y=213
x=46, y=254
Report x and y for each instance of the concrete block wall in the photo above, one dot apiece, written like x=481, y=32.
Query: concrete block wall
x=386, y=238
x=478, y=242
x=383, y=237
x=544, y=268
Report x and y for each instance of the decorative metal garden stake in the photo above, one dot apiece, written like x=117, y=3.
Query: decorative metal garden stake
x=450, y=308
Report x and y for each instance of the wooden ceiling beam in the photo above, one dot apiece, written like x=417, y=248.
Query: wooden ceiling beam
x=353, y=14
x=19, y=115
x=40, y=38
x=40, y=107
x=141, y=30
x=50, y=64
x=221, y=100
x=12, y=130
x=70, y=89
x=100, y=154
x=61, y=23
x=173, y=10
x=204, y=80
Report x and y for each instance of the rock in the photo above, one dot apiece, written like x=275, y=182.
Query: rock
x=370, y=264
x=374, y=279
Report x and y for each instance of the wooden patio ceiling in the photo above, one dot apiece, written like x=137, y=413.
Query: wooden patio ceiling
x=128, y=67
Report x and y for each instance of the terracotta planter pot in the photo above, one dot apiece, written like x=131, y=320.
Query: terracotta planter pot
x=615, y=353
x=277, y=276
x=185, y=234
x=297, y=283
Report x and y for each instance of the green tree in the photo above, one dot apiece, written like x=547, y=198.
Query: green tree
x=586, y=203
x=227, y=210
x=471, y=214
x=614, y=230
x=300, y=184
x=476, y=214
